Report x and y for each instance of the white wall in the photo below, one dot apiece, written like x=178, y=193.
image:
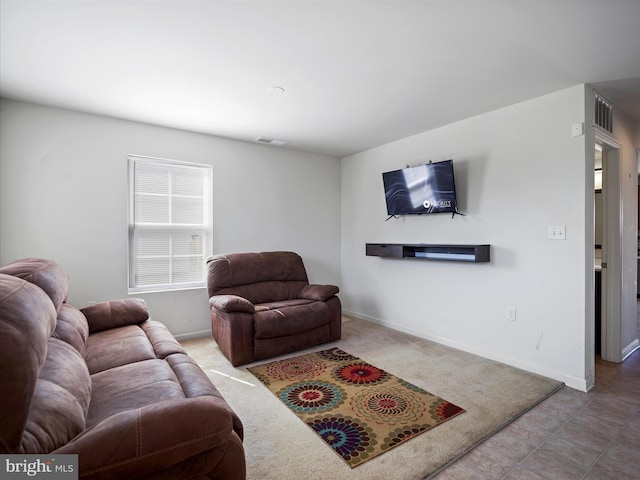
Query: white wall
x=63, y=195
x=624, y=131
x=518, y=171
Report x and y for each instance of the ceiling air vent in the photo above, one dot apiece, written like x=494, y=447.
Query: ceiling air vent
x=271, y=141
x=603, y=113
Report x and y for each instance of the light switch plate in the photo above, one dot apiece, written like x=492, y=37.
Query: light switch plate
x=577, y=129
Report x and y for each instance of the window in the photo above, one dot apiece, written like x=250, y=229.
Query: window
x=169, y=224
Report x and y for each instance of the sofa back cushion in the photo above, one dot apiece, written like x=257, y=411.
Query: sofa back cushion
x=27, y=320
x=45, y=274
x=60, y=402
x=72, y=327
x=258, y=277
x=44, y=379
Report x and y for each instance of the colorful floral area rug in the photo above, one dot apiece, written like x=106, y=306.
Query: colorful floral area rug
x=359, y=410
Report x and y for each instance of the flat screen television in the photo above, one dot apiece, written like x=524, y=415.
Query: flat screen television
x=428, y=188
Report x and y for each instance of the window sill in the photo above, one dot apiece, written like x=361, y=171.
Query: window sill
x=145, y=290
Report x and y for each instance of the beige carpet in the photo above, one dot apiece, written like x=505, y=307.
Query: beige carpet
x=278, y=446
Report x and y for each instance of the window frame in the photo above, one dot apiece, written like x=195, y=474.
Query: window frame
x=132, y=224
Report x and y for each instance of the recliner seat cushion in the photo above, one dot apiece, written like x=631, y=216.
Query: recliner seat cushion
x=132, y=386
x=290, y=320
x=120, y=346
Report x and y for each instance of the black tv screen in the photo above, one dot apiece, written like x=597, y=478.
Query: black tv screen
x=428, y=188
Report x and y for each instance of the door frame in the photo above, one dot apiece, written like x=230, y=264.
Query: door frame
x=611, y=347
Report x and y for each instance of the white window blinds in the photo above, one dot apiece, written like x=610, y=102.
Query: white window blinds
x=169, y=223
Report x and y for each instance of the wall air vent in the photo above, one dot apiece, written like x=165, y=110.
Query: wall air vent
x=603, y=114
x=271, y=141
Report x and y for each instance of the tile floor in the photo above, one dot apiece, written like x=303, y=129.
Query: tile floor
x=571, y=435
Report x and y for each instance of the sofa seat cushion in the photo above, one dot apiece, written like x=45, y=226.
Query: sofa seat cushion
x=120, y=346
x=130, y=387
x=290, y=319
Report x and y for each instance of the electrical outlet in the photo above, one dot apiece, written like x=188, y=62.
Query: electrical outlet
x=511, y=314
x=557, y=232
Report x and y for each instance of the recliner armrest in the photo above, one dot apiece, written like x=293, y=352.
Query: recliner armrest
x=231, y=303
x=320, y=293
x=116, y=313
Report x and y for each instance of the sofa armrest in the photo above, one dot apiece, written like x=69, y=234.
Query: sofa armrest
x=116, y=313
x=320, y=293
x=138, y=442
x=231, y=303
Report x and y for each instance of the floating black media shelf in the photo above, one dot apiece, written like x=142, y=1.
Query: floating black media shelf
x=456, y=253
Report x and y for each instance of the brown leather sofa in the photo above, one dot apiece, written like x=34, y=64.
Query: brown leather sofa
x=262, y=305
x=106, y=383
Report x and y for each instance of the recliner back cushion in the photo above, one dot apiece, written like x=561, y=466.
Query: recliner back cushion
x=258, y=277
x=265, y=292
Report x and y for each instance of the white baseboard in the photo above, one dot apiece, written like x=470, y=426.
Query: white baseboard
x=189, y=335
x=629, y=349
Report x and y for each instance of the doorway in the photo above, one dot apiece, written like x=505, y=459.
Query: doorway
x=598, y=240
x=608, y=250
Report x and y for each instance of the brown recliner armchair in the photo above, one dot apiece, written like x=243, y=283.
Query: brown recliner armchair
x=262, y=305
x=108, y=384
